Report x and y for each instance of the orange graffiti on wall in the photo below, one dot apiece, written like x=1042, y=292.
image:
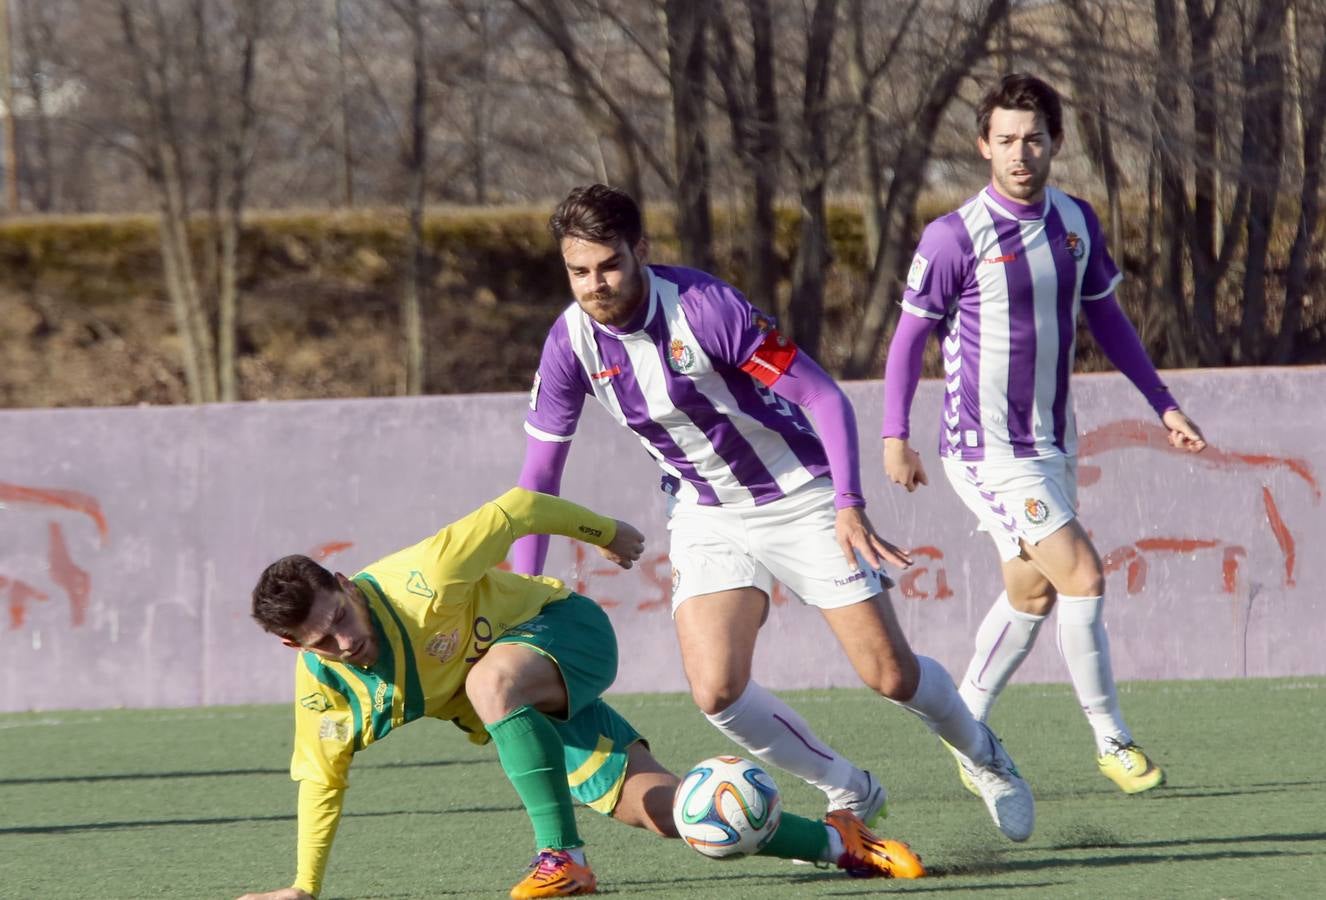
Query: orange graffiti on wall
x=71, y=578
x=1132, y=433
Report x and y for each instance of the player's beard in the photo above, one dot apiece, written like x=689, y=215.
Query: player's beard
x=617, y=307
x=1024, y=189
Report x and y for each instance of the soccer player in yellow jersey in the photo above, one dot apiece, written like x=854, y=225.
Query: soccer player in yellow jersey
x=437, y=630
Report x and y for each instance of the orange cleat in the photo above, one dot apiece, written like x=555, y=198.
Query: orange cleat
x=554, y=873
x=867, y=856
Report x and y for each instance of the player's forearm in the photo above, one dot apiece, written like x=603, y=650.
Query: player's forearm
x=319, y=816
x=1119, y=340
x=902, y=373
x=532, y=512
x=542, y=472
x=810, y=387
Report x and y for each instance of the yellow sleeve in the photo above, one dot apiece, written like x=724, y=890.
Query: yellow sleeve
x=324, y=731
x=319, y=815
x=465, y=550
x=531, y=512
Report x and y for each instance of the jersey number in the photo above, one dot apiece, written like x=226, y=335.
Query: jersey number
x=483, y=639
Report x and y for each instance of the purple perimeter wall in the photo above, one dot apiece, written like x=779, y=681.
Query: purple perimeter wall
x=130, y=538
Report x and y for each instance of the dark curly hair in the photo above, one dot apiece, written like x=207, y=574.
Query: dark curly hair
x=286, y=591
x=1022, y=91
x=597, y=213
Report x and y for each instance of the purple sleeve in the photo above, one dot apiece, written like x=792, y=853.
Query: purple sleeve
x=940, y=268
x=902, y=372
x=810, y=387
x=542, y=471
x=560, y=385
x=1119, y=340
x=1102, y=276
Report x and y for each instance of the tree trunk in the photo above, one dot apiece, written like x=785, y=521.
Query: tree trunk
x=813, y=253
x=1263, y=138
x=687, y=66
x=755, y=138
x=237, y=148
x=412, y=296
x=1173, y=194
x=1309, y=217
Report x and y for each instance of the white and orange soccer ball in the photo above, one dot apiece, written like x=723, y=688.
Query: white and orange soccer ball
x=727, y=807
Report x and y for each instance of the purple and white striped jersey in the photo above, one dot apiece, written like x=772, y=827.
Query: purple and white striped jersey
x=1006, y=281
x=721, y=436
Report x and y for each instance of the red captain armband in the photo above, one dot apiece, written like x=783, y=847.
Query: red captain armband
x=771, y=359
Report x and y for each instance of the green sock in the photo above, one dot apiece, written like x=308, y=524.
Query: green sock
x=531, y=753
x=798, y=838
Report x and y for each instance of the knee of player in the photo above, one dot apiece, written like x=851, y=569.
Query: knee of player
x=1087, y=580
x=491, y=688
x=898, y=683
x=714, y=697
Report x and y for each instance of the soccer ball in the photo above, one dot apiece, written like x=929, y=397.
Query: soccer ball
x=727, y=807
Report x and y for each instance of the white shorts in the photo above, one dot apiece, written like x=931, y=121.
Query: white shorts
x=791, y=540
x=1017, y=500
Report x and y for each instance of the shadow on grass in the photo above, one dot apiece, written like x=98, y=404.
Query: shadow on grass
x=1091, y=839
x=219, y=773
x=72, y=828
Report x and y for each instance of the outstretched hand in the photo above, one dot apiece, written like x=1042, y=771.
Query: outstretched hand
x=856, y=535
x=626, y=546
x=1183, y=432
x=903, y=464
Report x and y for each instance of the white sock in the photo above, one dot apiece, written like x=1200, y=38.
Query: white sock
x=938, y=704
x=775, y=734
x=835, y=848
x=1002, y=642
x=1086, y=649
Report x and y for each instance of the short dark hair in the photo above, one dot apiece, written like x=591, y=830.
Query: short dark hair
x=597, y=213
x=286, y=591
x=1022, y=91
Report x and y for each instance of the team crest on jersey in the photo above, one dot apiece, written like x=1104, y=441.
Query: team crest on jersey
x=680, y=357
x=443, y=645
x=334, y=728
x=1074, y=245
x=676, y=580
x=1035, y=510
x=317, y=702
x=534, y=391
x=417, y=585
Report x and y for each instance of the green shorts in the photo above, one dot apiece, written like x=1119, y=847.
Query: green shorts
x=577, y=636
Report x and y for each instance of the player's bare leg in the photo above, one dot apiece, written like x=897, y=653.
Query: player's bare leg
x=647, y=792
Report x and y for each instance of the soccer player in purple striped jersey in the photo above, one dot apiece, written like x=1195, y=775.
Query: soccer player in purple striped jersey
x=1003, y=277
x=725, y=405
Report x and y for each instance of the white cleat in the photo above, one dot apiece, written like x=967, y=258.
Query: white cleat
x=1007, y=796
x=870, y=807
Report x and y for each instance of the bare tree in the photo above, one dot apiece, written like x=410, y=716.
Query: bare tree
x=969, y=44
x=1263, y=141
x=411, y=13
x=751, y=101
x=1313, y=116
x=687, y=27
x=811, y=164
